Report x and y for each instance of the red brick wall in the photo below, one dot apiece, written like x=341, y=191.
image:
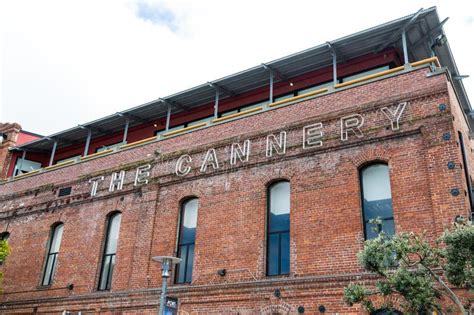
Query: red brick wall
x=13, y=132
x=326, y=224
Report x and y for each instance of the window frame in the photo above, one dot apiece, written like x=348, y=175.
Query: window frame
x=55, y=255
x=467, y=177
x=16, y=169
x=108, y=283
x=268, y=233
x=179, y=245
x=361, y=185
x=112, y=146
x=366, y=72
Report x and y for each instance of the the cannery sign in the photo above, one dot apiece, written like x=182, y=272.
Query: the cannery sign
x=276, y=144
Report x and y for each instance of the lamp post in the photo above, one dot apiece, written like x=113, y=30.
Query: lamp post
x=167, y=263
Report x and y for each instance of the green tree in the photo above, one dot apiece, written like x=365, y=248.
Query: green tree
x=4, y=252
x=416, y=271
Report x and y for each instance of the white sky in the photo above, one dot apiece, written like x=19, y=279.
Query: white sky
x=70, y=62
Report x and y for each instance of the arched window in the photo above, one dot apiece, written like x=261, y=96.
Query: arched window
x=110, y=250
x=52, y=256
x=187, y=238
x=376, y=199
x=278, y=228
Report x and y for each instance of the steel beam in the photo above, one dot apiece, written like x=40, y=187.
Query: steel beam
x=168, y=115
x=21, y=161
x=100, y=130
x=405, y=48
x=430, y=33
x=88, y=142
x=221, y=89
x=53, y=152
x=175, y=104
x=125, y=131
x=134, y=117
x=277, y=73
x=334, y=63
x=216, y=104
x=402, y=29
x=271, y=88
x=337, y=52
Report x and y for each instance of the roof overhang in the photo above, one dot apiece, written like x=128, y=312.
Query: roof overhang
x=421, y=28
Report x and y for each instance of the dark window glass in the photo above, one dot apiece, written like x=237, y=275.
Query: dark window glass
x=52, y=256
x=64, y=191
x=466, y=171
x=187, y=238
x=278, y=229
x=377, y=200
x=110, y=251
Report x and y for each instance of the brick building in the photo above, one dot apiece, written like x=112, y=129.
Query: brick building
x=263, y=182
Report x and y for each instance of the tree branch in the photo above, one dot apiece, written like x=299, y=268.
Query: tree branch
x=449, y=292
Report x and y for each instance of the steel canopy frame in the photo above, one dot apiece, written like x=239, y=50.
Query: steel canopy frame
x=345, y=48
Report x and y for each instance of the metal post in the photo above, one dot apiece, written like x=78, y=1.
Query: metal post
x=271, y=87
x=168, y=114
x=53, y=152
x=334, y=67
x=405, y=48
x=166, y=263
x=88, y=142
x=21, y=162
x=125, y=132
x=216, y=104
x=165, y=266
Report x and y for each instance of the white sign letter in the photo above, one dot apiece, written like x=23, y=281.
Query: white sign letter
x=236, y=151
x=182, y=167
x=210, y=158
x=142, y=174
x=279, y=145
x=394, y=116
x=95, y=184
x=351, y=123
x=117, y=181
x=311, y=134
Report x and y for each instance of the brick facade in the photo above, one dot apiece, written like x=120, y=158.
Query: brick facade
x=326, y=229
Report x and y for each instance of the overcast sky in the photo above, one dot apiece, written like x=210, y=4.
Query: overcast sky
x=69, y=62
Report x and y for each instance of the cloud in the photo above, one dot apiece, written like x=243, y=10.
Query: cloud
x=157, y=14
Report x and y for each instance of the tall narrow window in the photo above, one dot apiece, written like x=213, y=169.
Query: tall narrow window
x=278, y=229
x=52, y=257
x=377, y=200
x=110, y=250
x=466, y=171
x=187, y=238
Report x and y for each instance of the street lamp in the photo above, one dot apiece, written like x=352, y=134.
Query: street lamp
x=167, y=263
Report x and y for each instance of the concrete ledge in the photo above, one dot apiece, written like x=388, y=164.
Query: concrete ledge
x=136, y=143
x=175, y=132
x=291, y=99
x=59, y=165
x=91, y=156
x=245, y=112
